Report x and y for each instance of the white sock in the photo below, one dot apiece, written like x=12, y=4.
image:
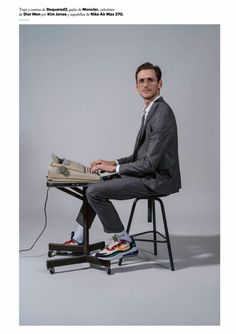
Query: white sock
x=79, y=234
x=123, y=235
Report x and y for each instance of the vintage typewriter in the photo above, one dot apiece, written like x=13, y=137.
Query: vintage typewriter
x=67, y=171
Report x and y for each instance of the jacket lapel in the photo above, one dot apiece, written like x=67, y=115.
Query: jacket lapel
x=153, y=108
x=142, y=130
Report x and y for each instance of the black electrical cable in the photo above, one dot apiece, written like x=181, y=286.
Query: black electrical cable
x=45, y=225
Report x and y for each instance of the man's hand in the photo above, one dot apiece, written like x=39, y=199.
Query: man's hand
x=103, y=166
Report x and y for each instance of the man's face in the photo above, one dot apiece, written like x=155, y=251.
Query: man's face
x=147, y=84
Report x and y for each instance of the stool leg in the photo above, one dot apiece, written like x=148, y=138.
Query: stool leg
x=154, y=227
x=150, y=206
x=129, y=223
x=131, y=215
x=167, y=235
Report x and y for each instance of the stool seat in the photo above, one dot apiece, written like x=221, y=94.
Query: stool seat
x=152, y=218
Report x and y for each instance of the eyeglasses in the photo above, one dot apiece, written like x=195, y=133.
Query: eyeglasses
x=149, y=81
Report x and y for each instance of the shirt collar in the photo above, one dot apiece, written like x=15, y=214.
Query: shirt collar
x=146, y=110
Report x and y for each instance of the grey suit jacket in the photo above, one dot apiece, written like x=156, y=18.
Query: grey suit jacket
x=155, y=156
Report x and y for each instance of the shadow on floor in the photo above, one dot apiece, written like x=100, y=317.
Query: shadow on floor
x=188, y=251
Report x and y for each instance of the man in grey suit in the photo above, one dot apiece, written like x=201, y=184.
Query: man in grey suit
x=152, y=168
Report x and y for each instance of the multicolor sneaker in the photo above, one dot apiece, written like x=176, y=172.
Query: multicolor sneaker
x=72, y=242
x=117, y=249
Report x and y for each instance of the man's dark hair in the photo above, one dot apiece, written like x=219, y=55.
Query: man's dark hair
x=149, y=66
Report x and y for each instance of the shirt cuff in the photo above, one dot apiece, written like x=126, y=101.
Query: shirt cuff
x=117, y=169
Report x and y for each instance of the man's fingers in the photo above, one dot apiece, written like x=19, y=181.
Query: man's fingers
x=96, y=167
x=95, y=162
x=103, y=167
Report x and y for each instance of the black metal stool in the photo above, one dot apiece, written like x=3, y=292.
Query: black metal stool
x=152, y=218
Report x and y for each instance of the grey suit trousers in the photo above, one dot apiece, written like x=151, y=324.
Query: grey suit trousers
x=99, y=196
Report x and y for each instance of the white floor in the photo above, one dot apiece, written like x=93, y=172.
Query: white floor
x=141, y=292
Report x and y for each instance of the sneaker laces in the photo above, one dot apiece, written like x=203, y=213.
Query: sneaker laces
x=114, y=242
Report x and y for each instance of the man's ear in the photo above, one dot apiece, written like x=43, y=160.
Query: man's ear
x=159, y=84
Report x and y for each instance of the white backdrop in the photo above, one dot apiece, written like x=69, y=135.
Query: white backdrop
x=78, y=99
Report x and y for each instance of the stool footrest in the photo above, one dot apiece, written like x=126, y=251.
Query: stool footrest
x=156, y=241
x=137, y=234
